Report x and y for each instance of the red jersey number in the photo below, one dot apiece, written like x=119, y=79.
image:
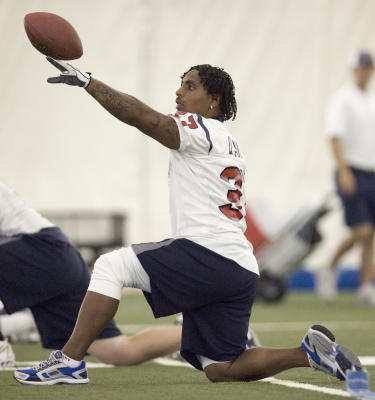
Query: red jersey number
x=233, y=209
x=191, y=124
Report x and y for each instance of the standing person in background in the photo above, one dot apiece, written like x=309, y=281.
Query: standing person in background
x=350, y=126
x=40, y=269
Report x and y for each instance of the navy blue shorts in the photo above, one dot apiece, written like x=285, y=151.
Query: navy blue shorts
x=359, y=208
x=214, y=294
x=45, y=272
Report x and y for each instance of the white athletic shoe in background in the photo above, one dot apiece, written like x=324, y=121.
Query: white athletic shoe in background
x=31, y=336
x=326, y=283
x=366, y=295
x=252, y=339
x=19, y=326
x=7, y=357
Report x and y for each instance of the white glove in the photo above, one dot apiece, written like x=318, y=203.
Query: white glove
x=69, y=74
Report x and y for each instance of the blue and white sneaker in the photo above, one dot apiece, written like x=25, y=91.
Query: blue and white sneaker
x=326, y=355
x=58, y=368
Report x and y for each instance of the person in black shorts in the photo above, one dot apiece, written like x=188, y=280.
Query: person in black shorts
x=207, y=269
x=350, y=127
x=41, y=270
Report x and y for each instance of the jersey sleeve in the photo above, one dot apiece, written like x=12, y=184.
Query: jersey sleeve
x=336, y=118
x=16, y=217
x=194, y=135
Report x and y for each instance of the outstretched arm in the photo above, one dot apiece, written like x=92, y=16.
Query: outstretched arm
x=133, y=112
x=126, y=108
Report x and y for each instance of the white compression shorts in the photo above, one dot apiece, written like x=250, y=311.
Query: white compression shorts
x=205, y=362
x=116, y=270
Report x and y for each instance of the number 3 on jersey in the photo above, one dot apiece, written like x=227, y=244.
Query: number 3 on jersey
x=191, y=124
x=234, y=208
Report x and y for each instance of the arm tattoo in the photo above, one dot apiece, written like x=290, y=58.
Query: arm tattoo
x=133, y=112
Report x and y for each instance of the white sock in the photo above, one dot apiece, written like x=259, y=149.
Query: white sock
x=71, y=363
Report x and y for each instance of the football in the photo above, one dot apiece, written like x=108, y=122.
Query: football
x=53, y=36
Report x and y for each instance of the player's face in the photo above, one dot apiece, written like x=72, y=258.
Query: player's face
x=192, y=96
x=363, y=75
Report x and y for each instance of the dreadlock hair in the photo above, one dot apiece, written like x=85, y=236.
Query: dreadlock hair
x=216, y=81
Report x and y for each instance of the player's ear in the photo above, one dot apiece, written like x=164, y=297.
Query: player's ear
x=215, y=101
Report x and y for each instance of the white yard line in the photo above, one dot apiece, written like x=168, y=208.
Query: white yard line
x=302, y=325
x=368, y=361
x=171, y=363
x=307, y=386
x=280, y=326
x=274, y=381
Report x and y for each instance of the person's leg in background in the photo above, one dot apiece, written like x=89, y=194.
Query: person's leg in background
x=96, y=312
x=360, y=218
x=326, y=277
x=364, y=234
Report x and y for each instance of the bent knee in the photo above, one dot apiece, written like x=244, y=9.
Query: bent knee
x=105, y=278
x=218, y=372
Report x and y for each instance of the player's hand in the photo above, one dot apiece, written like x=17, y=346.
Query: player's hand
x=69, y=75
x=347, y=181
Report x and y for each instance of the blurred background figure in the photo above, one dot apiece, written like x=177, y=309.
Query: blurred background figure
x=350, y=127
x=42, y=271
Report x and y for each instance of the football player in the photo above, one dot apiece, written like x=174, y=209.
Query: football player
x=207, y=269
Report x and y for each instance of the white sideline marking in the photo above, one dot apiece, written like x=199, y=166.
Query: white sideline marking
x=307, y=386
x=274, y=381
x=367, y=360
x=304, y=325
x=278, y=326
x=171, y=363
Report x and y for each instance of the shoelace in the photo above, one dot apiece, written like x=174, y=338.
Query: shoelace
x=46, y=363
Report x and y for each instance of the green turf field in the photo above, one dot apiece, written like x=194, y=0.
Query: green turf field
x=282, y=324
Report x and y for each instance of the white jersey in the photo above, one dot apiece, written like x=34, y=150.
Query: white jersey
x=16, y=217
x=207, y=198
x=351, y=118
